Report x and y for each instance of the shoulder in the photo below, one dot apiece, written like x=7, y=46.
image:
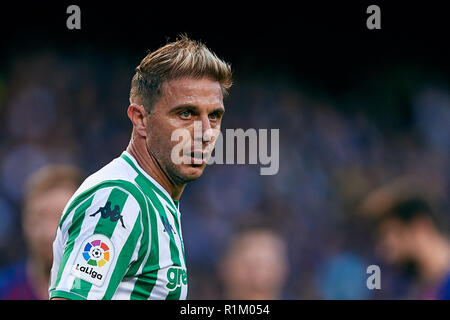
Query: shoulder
x=112, y=187
x=118, y=173
x=109, y=198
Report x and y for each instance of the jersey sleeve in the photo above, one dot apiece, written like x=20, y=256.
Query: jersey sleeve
x=95, y=244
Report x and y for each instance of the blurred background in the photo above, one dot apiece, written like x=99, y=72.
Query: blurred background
x=358, y=110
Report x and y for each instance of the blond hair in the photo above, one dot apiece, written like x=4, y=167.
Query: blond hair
x=179, y=59
x=51, y=177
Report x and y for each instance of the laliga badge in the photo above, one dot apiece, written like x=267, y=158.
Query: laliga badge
x=94, y=259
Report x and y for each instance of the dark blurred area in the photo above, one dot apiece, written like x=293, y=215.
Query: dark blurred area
x=356, y=109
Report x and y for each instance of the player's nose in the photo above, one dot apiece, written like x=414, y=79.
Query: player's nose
x=207, y=132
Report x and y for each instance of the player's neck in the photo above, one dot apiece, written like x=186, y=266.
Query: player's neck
x=149, y=164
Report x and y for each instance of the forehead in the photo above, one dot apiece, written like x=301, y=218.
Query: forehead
x=192, y=91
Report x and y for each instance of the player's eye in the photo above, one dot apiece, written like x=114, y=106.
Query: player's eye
x=214, y=116
x=185, y=114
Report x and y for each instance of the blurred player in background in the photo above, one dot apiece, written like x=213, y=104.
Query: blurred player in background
x=120, y=236
x=255, y=265
x=46, y=194
x=409, y=235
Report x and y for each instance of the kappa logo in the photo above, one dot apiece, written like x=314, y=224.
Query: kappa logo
x=167, y=226
x=106, y=212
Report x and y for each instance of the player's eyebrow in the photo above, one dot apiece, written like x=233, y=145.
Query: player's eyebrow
x=188, y=107
x=184, y=107
x=218, y=111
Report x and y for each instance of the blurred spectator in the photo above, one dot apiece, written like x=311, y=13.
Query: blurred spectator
x=47, y=192
x=410, y=236
x=255, y=266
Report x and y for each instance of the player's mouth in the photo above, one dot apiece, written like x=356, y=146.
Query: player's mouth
x=199, y=157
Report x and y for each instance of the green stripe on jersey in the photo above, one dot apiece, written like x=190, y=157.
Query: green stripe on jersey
x=146, y=251
x=122, y=261
x=74, y=231
x=106, y=227
x=126, y=185
x=174, y=253
x=146, y=281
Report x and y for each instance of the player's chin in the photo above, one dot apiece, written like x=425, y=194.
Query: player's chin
x=191, y=172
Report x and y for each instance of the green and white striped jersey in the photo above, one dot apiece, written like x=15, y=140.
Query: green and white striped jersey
x=119, y=238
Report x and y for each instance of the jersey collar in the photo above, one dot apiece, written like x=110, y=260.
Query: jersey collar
x=163, y=192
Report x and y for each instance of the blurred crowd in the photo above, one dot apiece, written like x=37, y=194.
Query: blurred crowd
x=300, y=234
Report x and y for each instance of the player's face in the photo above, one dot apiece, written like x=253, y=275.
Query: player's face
x=184, y=104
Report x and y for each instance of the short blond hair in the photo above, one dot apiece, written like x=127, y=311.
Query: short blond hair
x=179, y=59
x=51, y=177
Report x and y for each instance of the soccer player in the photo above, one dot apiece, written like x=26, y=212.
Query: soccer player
x=120, y=235
x=409, y=234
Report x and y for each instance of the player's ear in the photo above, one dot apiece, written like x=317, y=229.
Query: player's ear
x=137, y=115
